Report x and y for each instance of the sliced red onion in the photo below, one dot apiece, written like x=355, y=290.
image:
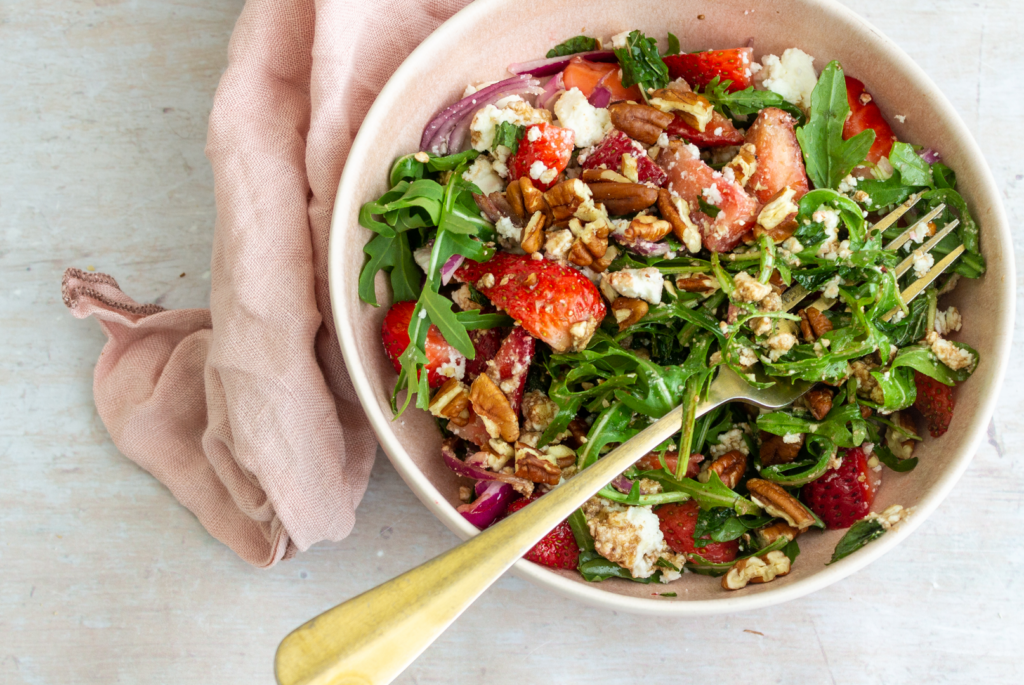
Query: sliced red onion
x=622, y=484
x=449, y=268
x=468, y=470
x=600, y=97
x=929, y=155
x=439, y=128
x=552, y=89
x=643, y=247
x=490, y=503
x=459, y=134
x=552, y=65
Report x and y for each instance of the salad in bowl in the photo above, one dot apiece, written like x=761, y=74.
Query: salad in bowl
x=577, y=249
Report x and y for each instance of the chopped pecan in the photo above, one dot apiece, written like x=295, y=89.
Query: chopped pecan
x=866, y=412
x=775, y=449
x=538, y=411
x=730, y=467
x=604, y=262
x=623, y=198
x=591, y=241
x=820, y=402
x=676, y=211
x=628, y=310
x=780, y=529
x=744, y=164
x=514, y=196
x=578, y=430
x=533, y=199
x=647, y=227
x=451, y=401
x=532, y=465
x=642, y=122
x=566, y=197
x=696, y=283
x=758, y=569
x=595, y=175
x=777, y=219
x=491, y=405
x=819, y=322
x=694, y=109
x=563, y=455
x=533, y=234
x=777, y=502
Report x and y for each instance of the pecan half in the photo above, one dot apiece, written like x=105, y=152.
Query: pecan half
x=775, y=450
x=760, y=569
x=628, y=310
x=769, y=534
x=819, y=322
x=595, y=175
x=514, y=196
x=534, y=466
x=744, y=164
x=676, y=211
x=777, y=219
x=451, y=401
x=642, y=122
x=533, y=199
x=563, y=455
x=623, y=198
x=647, y=227
x=566, y=197
x=491, y=405
x=591, y=241
x=533, y=234
x=696, y=283
x=604, y=262
x=820, y=402
x=730, y=467
x=578, y=430
x=694, y=109
x=777, y=502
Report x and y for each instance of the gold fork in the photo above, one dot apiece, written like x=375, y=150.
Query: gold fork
x=372, y=638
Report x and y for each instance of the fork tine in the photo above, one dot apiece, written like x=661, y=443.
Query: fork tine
x=915, y=288
x=893, y=216
x=905, y=265
x=902, y=238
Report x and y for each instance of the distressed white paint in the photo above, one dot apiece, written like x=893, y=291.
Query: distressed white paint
x=105, y=579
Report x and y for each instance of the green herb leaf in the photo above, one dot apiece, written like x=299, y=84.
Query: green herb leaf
x=572, y=46
x=859, y=534
x=708, y=495
x=741, y=104
x=708, y=208
x=885, y=193
x=828, y=157
x=913, y=170
x=474, y=319
x=508, y=134
x=673, y=45
x=641, y=64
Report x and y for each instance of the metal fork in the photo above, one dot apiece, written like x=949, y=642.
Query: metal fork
x=370, y=639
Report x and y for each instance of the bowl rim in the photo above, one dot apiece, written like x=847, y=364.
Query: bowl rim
x=592, y=594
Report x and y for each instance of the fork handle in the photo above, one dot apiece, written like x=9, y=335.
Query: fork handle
x=371, y=638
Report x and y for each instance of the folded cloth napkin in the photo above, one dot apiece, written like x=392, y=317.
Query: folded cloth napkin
x=245, y=411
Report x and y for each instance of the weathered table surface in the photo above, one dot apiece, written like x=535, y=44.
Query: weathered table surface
x=104, y=578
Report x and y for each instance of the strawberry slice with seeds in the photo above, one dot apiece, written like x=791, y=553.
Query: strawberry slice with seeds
x=699, y=68
x=486, y=342
x=607, y=154
x=440, y=355
x=935, y=402
x=780, y=162
x=693, y=181
x=844, y=496
x=865, y=114
x=557, y=549
x=544, y=152
x=553, y=302
x=718, y=133
x=651, y=462
x=678, y=523
x=510, y=365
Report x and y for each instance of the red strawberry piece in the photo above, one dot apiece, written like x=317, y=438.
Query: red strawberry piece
x=607, y=154
x=544, y=152
x=395, y=334
x=779, y=160
x=689, y=178
x=718, y=133
x=511, y=364
x=474, y=431
x=557, y=549
x=587, y=76
x=935, y=402
x=555, y=303
x=678, y=523
x=865, y=114
x=843, y=496
x=486, y=342
x=651, y=461
x=699, y=68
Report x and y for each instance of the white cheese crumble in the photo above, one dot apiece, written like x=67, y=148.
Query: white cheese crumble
x=645, y=284
x=923, y=261
x=791, y=76
x=421, y=255
x=831, y=288
x=588, y=123
x=515, y=111
x=453, y=368
x=506, y=229
x=729, y=441
x=482, y=173
x=712, y=195
x=952, y=356
x=540, y=172
x=948, y=321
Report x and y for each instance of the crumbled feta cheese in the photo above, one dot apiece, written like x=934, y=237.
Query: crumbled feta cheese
x=712, y=195
x=792, y=438
x=470, y=89
x=892, y=516
x=923, y=261
x=540, y=172
x=779, y=344
x=952, y=356
x=791, y=76
x=747, y=357
x=534, y=135
x=589, y=123
x=749, y=289
x=729, y=441
x=631, y=538
x=831, y=288
x=848, y=184
x=453, y=368
x=482, y=173
x=948, y=321
x=663, y=140
x=900, y=118
x=514, y=110
x=645, y=284
x=619, y=39
x=558, y=243
x=506, y=229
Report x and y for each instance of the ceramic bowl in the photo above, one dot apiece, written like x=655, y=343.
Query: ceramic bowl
x=476, y=45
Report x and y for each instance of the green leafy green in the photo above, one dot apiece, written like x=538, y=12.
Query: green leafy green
x=572, y=46
x=743, y=103
x=708, y=208
x=592, y=566
x=859, y=534
x=475, y=319
x=913, y=170
x=509, y=134
x=828, y=157
x=641, y=64
x=673, y=45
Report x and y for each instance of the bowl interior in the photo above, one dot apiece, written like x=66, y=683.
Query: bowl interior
x=477, y=45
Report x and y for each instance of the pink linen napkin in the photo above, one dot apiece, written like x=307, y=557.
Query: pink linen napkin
x=245, y=411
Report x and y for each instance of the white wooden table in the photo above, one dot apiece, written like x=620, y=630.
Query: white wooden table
x=104, y=578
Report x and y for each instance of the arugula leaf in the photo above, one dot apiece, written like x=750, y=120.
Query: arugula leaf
x=592, y=566
x=803, y=471
x=914, y=171
x=474, y=319
x=828, y=157
x=641, y=64
x=844, y=425
x=885, y=193
x=699, y=564
x=708, y=208
x=572, y=46
x=792, y=550
x=722, y=525
x=743, y=103
x=708, y=495
x=508, y=134
x=943, y=175
x=673, y=45
x=859, y=534
x=389, y=254
x=921, y=358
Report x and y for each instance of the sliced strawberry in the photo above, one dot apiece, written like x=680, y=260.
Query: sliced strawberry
x=589, y=75
x=678, y=523
x=544, y=152
x=865, y=114
x=557, y=549
x=511, y=364
x=718, y=133
x=395, y=334
x=486, y=342
x=843, y=496
x=651, y=461
x=607, y=154
x=474, y=431
x=699, y=68
x=689, y=177
x=779, y=160
x=935, y=402
x=555, y=303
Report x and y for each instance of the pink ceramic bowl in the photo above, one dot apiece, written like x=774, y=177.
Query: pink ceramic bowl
x=476, y=45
